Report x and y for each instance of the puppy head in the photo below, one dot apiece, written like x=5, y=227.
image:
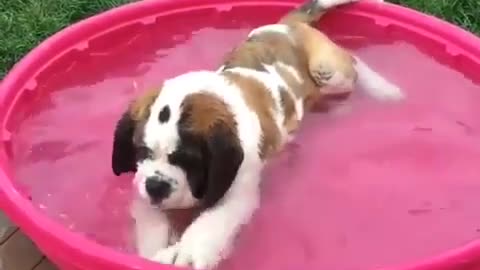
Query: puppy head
x=184, y=150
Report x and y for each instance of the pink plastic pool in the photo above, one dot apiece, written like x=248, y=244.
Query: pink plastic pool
x=381, y=187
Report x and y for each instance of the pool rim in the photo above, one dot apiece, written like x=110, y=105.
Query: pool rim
x=80, y=252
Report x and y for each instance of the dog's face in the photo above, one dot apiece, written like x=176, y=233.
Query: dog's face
x=184, y=151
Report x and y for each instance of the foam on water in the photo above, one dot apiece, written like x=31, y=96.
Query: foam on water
x=381, y=185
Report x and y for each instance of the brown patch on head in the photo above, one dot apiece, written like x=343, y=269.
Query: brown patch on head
x=209, y=149
x=140, y=107
x=261, y=102
x=139, y=112
x=204, y=111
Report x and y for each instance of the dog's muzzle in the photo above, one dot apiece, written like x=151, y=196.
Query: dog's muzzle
x=158, y=188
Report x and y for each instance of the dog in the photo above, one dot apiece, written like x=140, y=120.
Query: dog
x=201, y=139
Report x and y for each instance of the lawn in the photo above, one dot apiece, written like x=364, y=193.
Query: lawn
x=25, y=23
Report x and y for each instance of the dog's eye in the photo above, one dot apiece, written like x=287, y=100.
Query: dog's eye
x=143, y=152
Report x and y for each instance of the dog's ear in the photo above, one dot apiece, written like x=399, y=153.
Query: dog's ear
x=123, y=153
x=225, y=156
x=207, y=127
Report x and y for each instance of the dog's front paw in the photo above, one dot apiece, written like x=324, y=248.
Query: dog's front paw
x=166, y=255
x=197, y=256
x=200, y=252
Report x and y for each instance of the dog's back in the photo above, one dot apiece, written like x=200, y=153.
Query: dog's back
x=282, y=67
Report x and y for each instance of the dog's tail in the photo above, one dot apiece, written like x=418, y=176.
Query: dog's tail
x=374, y=84
x=310, y=11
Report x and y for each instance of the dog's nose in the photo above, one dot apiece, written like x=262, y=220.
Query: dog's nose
x=157, y=188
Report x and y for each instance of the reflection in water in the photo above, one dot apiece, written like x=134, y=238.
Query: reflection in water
x=380, y=185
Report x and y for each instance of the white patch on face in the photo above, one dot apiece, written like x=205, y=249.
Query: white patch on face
x=180, y=196
x=276, y=28
x=163, y=138
x=175, y=90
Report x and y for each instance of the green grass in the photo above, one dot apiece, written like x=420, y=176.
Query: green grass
x=25, y=23
x=465, y=13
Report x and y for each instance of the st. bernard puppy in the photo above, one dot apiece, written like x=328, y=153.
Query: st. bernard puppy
x=201, y=140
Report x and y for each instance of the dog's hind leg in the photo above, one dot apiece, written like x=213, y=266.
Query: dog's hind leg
x=336, y=71
x=332, y=67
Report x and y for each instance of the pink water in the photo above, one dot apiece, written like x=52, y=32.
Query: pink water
x=381, y=185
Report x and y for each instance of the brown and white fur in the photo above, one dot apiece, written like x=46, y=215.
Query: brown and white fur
x=201, y=140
